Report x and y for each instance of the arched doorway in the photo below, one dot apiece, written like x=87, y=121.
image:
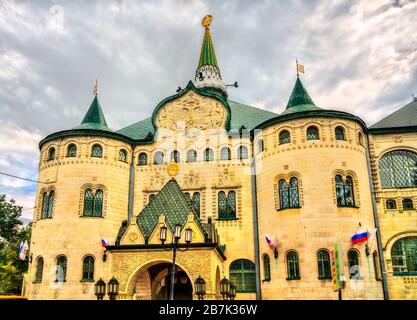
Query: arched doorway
x=153, y=282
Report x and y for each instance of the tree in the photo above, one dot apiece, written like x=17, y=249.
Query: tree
x=11, y=235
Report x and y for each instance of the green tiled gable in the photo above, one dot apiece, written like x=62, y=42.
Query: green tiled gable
x=404, y=117
x=171, y=202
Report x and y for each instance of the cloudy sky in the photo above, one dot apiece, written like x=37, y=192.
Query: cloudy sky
x=359, y=57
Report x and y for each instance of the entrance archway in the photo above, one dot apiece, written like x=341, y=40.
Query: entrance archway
x=153, y=282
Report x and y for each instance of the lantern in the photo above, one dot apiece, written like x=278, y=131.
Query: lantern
x=113, y=288
x=100, y=289
x=224, y=288
x=200, y=287
x=232, y=293
x=163, y=234
x=177, y=233
x=188, y=235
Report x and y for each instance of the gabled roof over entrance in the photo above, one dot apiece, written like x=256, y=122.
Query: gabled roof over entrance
x=171, y=202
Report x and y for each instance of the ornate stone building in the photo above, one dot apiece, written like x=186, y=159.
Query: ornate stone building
x=308, y=178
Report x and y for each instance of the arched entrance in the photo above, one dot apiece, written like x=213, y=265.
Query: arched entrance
x=153, y=282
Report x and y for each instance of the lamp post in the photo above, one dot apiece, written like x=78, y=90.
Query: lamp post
x=113, y=288
x=100, y=289
x=225, y=288
x=200, y=287
x=174, y=247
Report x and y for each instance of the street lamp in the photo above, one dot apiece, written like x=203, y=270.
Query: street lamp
x=100, y=289
x=224, y=288
x=113, y=288
x=200, y=287
x=175, y=246
x=232, y=293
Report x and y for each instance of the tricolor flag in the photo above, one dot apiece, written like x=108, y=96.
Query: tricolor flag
x=270, y=243
x=104, y=243
x=23, y=250
x=360, y=236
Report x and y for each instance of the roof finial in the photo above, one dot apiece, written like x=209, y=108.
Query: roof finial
x=206, y=22
x=95, y=90
x=299, y=67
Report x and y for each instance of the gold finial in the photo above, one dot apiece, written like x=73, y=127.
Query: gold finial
x=206, y=22
x=95, y=90
x=173, y=169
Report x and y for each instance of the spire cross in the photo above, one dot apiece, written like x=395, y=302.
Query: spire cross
x=95, y=90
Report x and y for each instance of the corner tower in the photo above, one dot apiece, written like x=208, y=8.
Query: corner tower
x=207, y=75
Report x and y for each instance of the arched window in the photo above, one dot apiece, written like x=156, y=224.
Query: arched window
x=158, y=157
x=353, y=262
x=242, y=274
x=227, y=205
x=288, y=193
x=404, y=256
x=360, y=139
x=344, y=191
x=313, y=133
x=408, y=204
x=50, y=203
x=225, y=154
x=51, y=153
x=88, y=268
x=192, y=156
x=398, y=169
x=339, y=132
x=260, y=146
x=284, y=137
x=195, y=202
x=151, y=196
x=123, y=155
x=377, y=269
x=175, y=156
x=61, y=269
x=72, y=150
x=143, y=159
x=93, y=203
x=391, y=204
x=242, y=153
x=44, y=211
x=208, y=155
x=323, y=260
x=187, y=196
x=39, y=270
x=98, y=203
x=293, y=268
x=97, y=151
x=267, y=267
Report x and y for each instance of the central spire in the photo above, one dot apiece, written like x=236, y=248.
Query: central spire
x=208, y=75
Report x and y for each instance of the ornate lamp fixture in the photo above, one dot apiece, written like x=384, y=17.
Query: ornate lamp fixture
x=232, y=293
x=200, y=287
x=225, y=288
x=100, y=289
x=113, y=288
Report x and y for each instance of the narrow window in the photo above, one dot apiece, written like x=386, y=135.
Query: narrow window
x=61, y=269
x=391, y=204
x=208, y=155
x=353, y=260
x=39, y=270
x=293, y=192
x=175, y=156
x=123, y=155
x=72, y=150
x=222, y=205
x=339, y=132
x=158, y=157
x=88, y=268
x=267, y=268
x=377, y=269
x=283, y=194
x=50, y=203
x=195, y=202
x=349, y=195
x=323, y=260
x=88, y=202
x=98, y=203
x=260, y=146
x=51, y=153
x=407, y=204
x=225, y=154
x=313, y=133
x=242, y=153
x=192, y=156
x=44, y=213
x=231, y=205
x=143, y=159
x=284, y=137
x=97, y=151
x=293, y=268
x=151, y=196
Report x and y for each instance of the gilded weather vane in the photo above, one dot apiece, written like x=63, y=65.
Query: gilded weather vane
x=95, y=90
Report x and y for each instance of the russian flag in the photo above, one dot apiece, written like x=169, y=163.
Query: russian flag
x=360, y=236
x=104, y=243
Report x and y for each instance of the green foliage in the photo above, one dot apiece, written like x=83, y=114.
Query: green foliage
x=11, y=235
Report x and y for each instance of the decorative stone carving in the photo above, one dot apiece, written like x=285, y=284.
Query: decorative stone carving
x=227, y=179
x=192, y=181
x=156, y=182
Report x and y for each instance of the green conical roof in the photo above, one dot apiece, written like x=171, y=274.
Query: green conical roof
x=300, y=100
x=207, y=54
x=94, y=118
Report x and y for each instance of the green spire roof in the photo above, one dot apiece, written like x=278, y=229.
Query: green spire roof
x=207, y=54
x=94, y=118
x=300, y=100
